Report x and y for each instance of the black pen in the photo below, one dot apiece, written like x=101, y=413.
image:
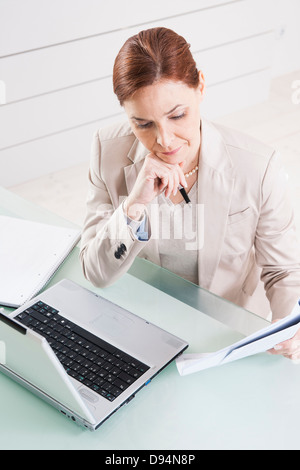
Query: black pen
x=183, y=193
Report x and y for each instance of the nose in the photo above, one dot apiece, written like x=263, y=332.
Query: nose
x=164, y=136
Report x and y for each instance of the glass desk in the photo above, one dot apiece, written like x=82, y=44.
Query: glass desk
x=248, y=404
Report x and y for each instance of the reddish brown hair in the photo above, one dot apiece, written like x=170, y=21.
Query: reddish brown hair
x=151, y=55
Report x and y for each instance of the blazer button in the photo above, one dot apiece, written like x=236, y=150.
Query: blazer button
x=123, y=247
x=120, y=251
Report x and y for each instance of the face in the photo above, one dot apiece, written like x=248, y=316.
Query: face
x=165, y=117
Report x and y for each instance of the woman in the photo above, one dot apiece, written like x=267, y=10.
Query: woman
x=239, y=225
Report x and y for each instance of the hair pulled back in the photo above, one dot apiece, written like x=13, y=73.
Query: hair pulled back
x=151, y=55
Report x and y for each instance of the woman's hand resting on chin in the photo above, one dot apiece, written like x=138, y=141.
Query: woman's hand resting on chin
x=155, y=177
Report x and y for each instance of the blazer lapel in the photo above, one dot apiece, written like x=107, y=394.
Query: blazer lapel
x=136, y=155
x=215, y=188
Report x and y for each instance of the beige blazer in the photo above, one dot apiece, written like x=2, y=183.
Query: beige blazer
x=248, y=223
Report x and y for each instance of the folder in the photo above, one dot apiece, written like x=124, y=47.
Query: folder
x=30, y=254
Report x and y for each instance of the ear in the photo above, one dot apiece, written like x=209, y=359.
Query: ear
x=201, y=86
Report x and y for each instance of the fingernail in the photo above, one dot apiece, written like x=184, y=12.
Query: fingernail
x=277, y=347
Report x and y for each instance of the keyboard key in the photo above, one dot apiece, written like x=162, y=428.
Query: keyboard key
x=128, y=379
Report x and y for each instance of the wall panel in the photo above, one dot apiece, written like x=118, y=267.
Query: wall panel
x=31, y=24
x=56, y=60
x=49, y=69
x=51, y=153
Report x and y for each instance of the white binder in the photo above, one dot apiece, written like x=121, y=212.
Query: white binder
x=30, y=254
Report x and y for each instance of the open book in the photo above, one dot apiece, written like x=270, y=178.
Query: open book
x=30, y=254
x=258, y=342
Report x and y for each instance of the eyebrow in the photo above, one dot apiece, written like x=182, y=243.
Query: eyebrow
x=165, y=114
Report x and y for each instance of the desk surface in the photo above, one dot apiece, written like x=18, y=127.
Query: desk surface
x=247, y=404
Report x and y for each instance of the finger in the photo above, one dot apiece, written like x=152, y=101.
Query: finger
x=275, y=351
x=169, y=185
x=170, y=176
x=174, y=179
x=163, y=185
x=284, y=346
x=294, y=349
x=295, y=358
x=176, y=183
x=279, y=348
x=289, y=345
x=287, y=348
x=182, y=179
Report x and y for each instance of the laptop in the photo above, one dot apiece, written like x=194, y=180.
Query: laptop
x=81, y=353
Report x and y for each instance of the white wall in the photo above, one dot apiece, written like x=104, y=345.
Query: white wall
x=56, y=59
x=286, y=50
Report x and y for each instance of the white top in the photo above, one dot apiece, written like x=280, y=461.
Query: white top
x=177, y=236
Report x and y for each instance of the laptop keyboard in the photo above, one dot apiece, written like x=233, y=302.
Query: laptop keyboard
x=85, y=357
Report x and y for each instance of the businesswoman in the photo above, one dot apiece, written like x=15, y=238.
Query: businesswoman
x=239, y=223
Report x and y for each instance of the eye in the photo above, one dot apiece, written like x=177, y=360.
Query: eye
x=179, y=116
x=144, y=126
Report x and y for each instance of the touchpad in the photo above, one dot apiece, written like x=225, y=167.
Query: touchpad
x=111, y=320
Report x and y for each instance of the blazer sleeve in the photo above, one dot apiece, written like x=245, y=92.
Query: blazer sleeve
x=108, y=244
x=276, y=244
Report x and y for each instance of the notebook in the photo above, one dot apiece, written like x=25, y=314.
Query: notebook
x=30, y=253
x=81, y=353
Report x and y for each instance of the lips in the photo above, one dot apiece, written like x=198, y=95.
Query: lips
x=172, y=152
